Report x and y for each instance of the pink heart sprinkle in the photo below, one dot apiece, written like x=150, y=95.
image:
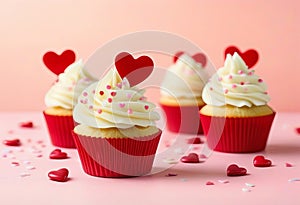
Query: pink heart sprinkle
x=121, y=105
x=146, y=107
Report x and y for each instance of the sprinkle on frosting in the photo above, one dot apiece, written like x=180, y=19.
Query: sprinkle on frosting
x=115, y=104
x=239, y=86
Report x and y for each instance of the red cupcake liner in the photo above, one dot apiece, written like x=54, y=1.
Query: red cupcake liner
x=60, y=130
x=237, y=135
x=183, y=119
x=117, y=157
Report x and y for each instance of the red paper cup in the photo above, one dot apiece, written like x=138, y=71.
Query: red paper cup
x=117, y=157
x=183, y=119
x=237, y=135
x=60, y=130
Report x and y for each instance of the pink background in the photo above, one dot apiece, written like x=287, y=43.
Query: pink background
x=30, y=28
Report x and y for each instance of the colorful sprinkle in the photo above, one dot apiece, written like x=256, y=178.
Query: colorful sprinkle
x=250, y=73
x=223, y=181
x=170, y=161
x=246, y=190
x=15, y=164
x=288, y=164
x=28, y=124
x=220, y=78
x=240, y=72
x=234, y=86
x=108, y=87
x=129, y=111
x=210, y=183
x=294, y=180
x=260, y=80
x=109, y=100
x=249, y=185
x=93, y=91
x=211, y=89
x=119, y=85
x=128, y=95
x=121, y=105
x=85, y=94
x=143, y=98
x=30, y=168
x=266, y=93
x=230, y=77
x=226, y=91
x=99, y=111
x=24, y=174
x=101, y=92
x=113, y=94
x=91, y=107
x=242, y=83
x=146, y=107
x=171, y=175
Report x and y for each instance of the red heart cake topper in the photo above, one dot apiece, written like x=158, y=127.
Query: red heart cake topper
x=135, y=70
x=58, y=63
x=198, y=57
x=250, y=56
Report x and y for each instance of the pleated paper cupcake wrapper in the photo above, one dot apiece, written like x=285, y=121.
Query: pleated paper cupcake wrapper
x=117, y=157
x=183, y=119
x=237, y=135
x=60, y=130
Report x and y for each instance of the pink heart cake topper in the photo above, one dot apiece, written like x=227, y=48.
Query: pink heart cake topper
x=198, y=57
x=250, y=56
x=58, y=63
x=135, y=70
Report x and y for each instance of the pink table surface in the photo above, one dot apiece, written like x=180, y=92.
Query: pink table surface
x=272, y=184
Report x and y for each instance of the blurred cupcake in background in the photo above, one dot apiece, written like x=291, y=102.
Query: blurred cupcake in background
x=61, y=98
x=181, y=93
x=236, y=118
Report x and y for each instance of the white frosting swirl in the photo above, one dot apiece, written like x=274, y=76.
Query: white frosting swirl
x=234, y=84
x=185, y=79
x=68, y=87
x=111, y=102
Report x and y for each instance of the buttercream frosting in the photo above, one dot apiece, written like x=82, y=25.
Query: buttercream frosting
x=184, y=80
x=236, y=85
x=111, y=102
x=68, y=87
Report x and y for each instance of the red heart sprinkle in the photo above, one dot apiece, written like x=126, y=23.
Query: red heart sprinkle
x=58, y=63
x=58, y=154
x=198, y=57
x=235, y=170
x=135, y=70
x=191, y=158
x=288, y=164
x=60, y=175
x=261, y=161
x=13, y=142
x=194, y=140
x=28, y=124
x=298, y=130
x=210, y=183
x=250, y=56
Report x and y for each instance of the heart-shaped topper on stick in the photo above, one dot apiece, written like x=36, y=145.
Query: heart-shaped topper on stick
x=135, y=70
x=198, y=57
x=250, y=56
x=58, y=63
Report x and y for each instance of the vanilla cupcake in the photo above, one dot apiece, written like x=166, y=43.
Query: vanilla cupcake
x=116, y=135
x=236, y=118
x=181, y=95
x=60, y=100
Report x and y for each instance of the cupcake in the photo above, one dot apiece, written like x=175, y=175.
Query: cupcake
x=60, y=103
x=116, y=135
x=181, y=94
x=236, y=118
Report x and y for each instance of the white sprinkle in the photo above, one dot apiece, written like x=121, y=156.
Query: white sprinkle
x=170, y=161
x=183, y=179
x=249, y=185
x=246, y=190
x=26, y=162
x=294, y=180
x=224, y=181
x=30, y=168
x=24, y=174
